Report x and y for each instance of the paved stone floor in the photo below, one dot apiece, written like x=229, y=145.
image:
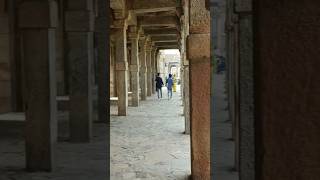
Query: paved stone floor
x=223, y=147
x=149, y=143
x=74, y=161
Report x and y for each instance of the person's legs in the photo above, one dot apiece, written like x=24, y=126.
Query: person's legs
x=160, y=89
x=169, y=93
x=158, y=92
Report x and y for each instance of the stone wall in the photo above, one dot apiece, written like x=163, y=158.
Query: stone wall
x=5, y=73
x=288, y=95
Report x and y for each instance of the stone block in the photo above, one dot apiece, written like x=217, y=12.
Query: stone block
x=38, y=14
x=198, y=46
x=78, y=21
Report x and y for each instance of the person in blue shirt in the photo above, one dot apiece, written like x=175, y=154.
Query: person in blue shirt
x=169, y=86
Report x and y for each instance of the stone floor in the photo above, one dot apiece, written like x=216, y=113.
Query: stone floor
x=74, y=161
x=223, y=146
x=149, y=143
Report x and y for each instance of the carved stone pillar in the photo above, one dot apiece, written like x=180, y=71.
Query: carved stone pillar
x=122, y=67
x=37, y=24
x=143, y=68
x=199, y=59
x=79, y=27
x=134, y=66
x=149, y=68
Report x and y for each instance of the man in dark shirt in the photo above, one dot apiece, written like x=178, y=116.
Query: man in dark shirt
x=159, y=84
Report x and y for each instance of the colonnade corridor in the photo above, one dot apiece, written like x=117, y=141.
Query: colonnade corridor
x=149, y=143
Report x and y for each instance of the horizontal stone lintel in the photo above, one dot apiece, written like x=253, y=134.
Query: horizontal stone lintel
x=121, y=66
x=155, y=4
x=79, y=20
x=198, y=46
x=133, y=36
x=38, y=14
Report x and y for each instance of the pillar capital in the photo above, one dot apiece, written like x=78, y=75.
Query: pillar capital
x=143, y=41
x=120, y=24
x=148, y=45
x=199, y=17
x=133, y=33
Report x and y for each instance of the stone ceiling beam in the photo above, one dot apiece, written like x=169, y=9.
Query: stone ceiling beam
x=161, y=32
x=164, y=39
x=147, y=6
x=166, y=21
x=166, y=44
x=117, y=4
x=153, y=10
x=166, y=47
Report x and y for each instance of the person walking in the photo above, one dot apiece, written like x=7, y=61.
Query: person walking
x=159, y=84
x=169, y=86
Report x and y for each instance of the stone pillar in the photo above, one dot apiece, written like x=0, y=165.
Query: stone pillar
x=134, y=66
x=185, y=66
x=143, y=68
x=242, y=83
x=102, y=40
x=149, y=68
x=37, y=23
x=199, y=60
x=79, y=26
x=186, y=98
x=122, y=67
x=154, y=71
x=7, y=67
